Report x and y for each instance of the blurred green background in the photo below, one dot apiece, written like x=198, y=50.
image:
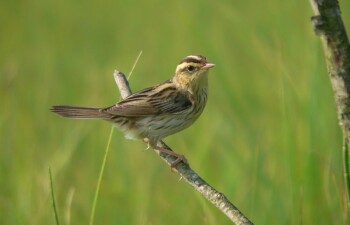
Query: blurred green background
x=268, y=138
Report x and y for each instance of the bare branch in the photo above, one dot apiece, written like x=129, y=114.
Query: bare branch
x=190, y=176
x=329, y=25
x=122, y=83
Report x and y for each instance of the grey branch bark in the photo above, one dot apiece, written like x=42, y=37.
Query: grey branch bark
x=190, y=176
x=329, y=25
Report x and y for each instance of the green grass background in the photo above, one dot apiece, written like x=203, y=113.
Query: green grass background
x=269, y=137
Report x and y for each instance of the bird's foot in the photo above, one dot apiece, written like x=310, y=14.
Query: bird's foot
x=179, y=157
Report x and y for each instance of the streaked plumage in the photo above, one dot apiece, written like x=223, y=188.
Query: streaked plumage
x=159, y=111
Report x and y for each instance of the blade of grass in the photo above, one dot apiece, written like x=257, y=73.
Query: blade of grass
x=135, y=63
x=69, y=205
x=53, y=203
x=92, y=215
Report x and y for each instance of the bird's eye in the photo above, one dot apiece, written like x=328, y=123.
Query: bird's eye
x=191, y=68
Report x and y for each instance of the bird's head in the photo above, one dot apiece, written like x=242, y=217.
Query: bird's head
x=191, y=73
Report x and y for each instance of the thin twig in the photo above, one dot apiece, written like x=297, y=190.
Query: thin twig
x=328, y=24
x=122, y=83
x=190, y=176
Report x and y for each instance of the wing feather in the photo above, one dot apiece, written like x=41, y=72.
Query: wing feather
x=164, y=98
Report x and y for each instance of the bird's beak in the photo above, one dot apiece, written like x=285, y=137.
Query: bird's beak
x=207, y=66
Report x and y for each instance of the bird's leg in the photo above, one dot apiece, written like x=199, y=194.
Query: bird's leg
x=179, y=157
x=146, y=140
x=155, y=146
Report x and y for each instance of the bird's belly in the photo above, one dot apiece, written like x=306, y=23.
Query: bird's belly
x=157, y=126
x=162, y=126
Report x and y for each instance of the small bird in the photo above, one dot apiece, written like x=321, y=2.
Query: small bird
x=159, y=111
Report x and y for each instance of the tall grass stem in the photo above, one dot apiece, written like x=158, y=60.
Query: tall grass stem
x=53, y=202
x=92, y=215
x=93, y=210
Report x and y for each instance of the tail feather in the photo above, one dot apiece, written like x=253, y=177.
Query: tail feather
x=79, y=112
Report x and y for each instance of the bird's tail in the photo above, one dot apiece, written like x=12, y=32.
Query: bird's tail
x=79, y=112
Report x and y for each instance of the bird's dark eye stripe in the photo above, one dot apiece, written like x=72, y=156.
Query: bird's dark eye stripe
x=191, y=60
x=194, y=60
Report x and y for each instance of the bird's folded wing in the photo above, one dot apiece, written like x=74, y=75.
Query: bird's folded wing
x=151, y=101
